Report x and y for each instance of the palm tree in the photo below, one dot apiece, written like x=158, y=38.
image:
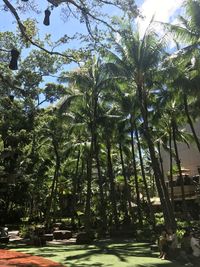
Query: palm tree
x=184, y=62
x=124, y=141
x=127, y=105
x=171, y=119
x=92, y=80
x=138, y=62
x=188, y=30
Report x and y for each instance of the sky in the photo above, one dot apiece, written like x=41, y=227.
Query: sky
x=164, y=10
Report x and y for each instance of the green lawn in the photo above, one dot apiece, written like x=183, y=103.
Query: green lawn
x=104, y=253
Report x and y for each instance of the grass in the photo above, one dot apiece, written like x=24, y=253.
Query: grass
x=101, y=254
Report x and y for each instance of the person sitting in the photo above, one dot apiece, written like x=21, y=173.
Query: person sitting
x=163, y=245
x=194, y=242
x=172, y=242
x=186, y=249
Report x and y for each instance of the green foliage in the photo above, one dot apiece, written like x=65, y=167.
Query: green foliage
x=26, y=231
x=65, y=159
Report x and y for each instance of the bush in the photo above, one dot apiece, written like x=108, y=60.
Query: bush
x=26, y=231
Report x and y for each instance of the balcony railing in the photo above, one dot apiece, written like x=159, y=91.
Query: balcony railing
x=190, y=190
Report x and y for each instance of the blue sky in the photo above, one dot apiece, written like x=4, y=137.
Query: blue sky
x=57, y=26
x=164, y=10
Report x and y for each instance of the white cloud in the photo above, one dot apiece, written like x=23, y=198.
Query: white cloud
x=163, y=10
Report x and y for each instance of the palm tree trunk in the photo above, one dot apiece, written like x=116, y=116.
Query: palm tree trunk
x=112, y=184
x=160, y=158
x=54, y=204
x=152, y=217
x=190, y=122
x=166, y=192
x=87, y=217
x=136, y=176
x=161, y=187
x=53, y=186
x=127, y=195
x=171, y=169
x=103, y=214
x=178, y=163
x=74, y=190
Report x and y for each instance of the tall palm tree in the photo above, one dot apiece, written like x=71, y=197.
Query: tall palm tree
x=185, y=62
x=91, y=80
x=171, y=119
x=123, y=140
x=128, y=107
x=138, y=62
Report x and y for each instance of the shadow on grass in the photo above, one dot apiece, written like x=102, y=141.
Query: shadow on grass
x=162, y=264
x=85, y=254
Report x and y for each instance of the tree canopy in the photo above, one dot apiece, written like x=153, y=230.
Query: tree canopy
x=82, y=130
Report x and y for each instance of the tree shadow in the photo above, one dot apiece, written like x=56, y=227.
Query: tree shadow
x=121, y=251
x=161, y=264
x=96, y=264
x=84, y=255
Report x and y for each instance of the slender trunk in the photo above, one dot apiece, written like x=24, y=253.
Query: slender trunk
x=103, y=214
x=87, y=221
x=171, y=210
x=102, y=211
x=80, y=193
x=173, y=224
x=79, y=180
x=126, y=186
x=54, y=204
x=171, y=169
x=31, y=208
x=157, y=175
x=160, y=159
x=190, y=122
x=53, y=186
x=136, y=176
x=161, y=187
x=112, y=184
x=152, y=216
x=178, y=163
x=74, y=190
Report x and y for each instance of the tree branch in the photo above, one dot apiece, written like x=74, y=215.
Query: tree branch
x=23, y=32
x=10, y=84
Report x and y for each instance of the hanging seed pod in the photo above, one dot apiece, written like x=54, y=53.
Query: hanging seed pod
x=47, y=13
x=11, y=97
x=14, y=58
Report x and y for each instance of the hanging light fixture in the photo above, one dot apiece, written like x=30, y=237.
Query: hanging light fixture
x=24, y=0
x=14, y=58
x=47, y=13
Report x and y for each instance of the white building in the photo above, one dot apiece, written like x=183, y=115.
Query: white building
x=189, y=156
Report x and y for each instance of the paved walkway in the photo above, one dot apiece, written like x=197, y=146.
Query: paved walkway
x=10, y=258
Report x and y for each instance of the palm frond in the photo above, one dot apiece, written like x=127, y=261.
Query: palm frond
x=181, y=33
x=64, y=103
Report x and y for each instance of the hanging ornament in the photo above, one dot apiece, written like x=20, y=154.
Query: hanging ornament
x=14, y=59
x=47, y=13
